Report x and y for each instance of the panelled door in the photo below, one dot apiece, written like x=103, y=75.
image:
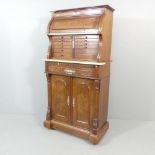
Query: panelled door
x=61, y=98
x=83, y=99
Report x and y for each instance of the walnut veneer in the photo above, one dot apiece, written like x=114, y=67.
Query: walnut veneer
x=78, y=71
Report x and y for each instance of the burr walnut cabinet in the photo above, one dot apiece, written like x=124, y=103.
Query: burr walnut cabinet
x=78, y=71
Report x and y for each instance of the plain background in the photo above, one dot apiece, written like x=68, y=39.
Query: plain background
x=23, y=46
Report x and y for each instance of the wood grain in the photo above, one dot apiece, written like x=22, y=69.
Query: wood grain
x=78, y=71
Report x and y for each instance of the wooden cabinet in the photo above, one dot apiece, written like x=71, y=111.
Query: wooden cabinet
x=78, y=71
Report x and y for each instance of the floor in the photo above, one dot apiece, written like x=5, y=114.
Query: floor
x=25, y=135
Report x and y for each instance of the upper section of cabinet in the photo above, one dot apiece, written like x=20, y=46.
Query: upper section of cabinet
x=80, y=20
x=81, y=34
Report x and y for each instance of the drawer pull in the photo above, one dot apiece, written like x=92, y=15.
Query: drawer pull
x=69, y=71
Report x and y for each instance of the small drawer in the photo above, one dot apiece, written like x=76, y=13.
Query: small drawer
x=86, y=37
x=62, y=38
x=78, y=70
x=85, y=56
x=86, y=43
x=65, y=50
x=62, y=44
x=86, y=51
x=58, y=55
x=57, y=38
x=66, y=55
x=83, y=46
x=93, y=40
x=67, y=37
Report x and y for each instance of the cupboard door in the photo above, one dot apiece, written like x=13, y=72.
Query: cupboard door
x=83, y=98
x=61, y=98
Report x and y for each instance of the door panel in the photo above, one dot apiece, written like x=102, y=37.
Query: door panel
x=61, y=98
x=82, y=100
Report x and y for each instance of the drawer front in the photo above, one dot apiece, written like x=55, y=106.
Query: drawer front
x=82, y=45
x=72, y=69
x=55, y=50
x=86, y=54
x=55, y=46
x=62, y=38
x=62, y=55
x=86, y=37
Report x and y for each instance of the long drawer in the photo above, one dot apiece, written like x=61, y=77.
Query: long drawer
x=81, y=70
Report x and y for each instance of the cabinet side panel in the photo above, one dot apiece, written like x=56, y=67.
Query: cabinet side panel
x=106, y=32
x=49, y=110
x=103, y=101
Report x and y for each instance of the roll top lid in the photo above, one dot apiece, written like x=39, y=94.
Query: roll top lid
x=76, y=23
x=82, y=20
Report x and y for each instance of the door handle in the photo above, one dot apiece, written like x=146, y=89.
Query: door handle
x=68, y=101
x=73, y=101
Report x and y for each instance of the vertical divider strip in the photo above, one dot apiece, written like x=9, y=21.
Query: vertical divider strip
x=73, y=50
x=71, y=99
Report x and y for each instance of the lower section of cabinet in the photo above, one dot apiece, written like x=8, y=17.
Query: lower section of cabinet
x=93, y=138
x=78, y=106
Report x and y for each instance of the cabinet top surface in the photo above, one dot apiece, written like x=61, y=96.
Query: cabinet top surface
x=81, y=12
x=76, y=61
x=84, y=8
